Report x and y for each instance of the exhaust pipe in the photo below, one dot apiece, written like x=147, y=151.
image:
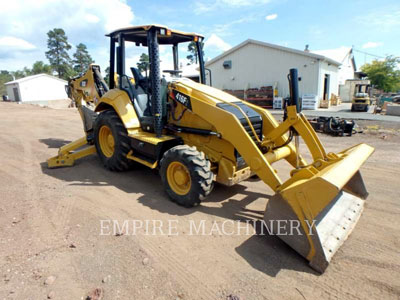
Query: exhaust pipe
x=294, y=100
x=294, y=89
x=155, y=75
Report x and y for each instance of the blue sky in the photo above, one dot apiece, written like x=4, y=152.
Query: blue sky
x=370, y=25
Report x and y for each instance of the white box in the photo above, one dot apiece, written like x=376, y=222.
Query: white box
x=278, y=103
x=309, y=102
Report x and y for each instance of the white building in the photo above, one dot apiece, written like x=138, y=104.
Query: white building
x=191, y=71
x=253, y=64
x=36, y=89
x=347, y=70
x=343, y=55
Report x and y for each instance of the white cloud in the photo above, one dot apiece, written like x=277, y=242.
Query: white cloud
x=244, y=2
x=13, y=43
x=315, y=32
x=226, y=28
x=369, y=45
x=92, y=18
x=214, y=42
x=271, y=17
x=384, y=19
x=83, y=21
x=212, y=5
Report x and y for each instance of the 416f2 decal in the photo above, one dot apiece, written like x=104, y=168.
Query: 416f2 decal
x=182, y=98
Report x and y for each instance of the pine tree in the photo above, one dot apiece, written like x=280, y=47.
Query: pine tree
x=57, y=55
x=82, y=58
x=107, y=77
x=193, y=57
x=143, y=63
x=40, y=67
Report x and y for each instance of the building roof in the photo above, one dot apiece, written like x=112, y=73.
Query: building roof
x=338, y=54
x=190, y=70
x=34, y=77
x=290, y=50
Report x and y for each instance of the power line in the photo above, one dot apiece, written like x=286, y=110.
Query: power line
x=366, y=53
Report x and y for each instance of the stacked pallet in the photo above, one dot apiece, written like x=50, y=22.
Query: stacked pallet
x=325, y=104
x=263, y=96
x=237, y=93
x=335, y=100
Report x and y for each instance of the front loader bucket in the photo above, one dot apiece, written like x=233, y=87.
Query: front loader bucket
x=316, y=213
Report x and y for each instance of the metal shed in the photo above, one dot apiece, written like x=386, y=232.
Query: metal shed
x=37, y=89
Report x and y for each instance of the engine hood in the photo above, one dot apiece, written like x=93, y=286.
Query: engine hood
x=201, y=91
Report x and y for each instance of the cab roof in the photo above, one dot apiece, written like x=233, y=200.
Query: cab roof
x=166, y=36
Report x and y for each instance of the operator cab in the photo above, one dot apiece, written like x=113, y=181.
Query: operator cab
x=148, y=93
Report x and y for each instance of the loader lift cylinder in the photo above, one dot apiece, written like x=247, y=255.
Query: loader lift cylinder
x=155, y=74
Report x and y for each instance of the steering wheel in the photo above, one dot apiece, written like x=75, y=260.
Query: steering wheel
x=172, y=72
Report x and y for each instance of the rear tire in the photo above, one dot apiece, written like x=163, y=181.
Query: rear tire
x=112, y=141
x=186, y=175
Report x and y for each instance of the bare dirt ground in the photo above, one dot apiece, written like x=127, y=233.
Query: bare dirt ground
x=51, y=247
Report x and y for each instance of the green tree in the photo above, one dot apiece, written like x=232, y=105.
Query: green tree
x=21, y=73
x=384, y=74
x=57, y=55
x=193, y=56
x=27, y=71
x=40, y=67
x=107, y=77
x=82, y=58
x=143, y=63
x=5, y=76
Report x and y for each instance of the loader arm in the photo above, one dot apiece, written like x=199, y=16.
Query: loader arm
x=232, y=130
x=324, y=195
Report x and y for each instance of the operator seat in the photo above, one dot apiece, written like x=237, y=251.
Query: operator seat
x=140, y=102
x=141, y=99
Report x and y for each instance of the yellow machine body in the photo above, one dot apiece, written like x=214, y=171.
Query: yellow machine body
x=324, y=197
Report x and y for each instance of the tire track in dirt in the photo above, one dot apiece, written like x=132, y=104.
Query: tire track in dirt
x=384, y=286
x=171, y=264
x=182, y=273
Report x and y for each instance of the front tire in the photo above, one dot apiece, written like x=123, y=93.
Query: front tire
x=112, y=141
x=186, y=175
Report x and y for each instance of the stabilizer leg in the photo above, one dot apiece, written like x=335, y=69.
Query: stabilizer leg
x=69, y=153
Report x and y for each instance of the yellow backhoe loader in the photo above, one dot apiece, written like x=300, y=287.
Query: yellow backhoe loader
x=195, y=135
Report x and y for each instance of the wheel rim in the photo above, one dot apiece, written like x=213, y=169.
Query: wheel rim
x=178, y=177
x=106, y=141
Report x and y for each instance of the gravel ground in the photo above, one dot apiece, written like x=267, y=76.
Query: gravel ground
x=50, y=225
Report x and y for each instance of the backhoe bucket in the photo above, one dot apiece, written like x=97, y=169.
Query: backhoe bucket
x=319, y=209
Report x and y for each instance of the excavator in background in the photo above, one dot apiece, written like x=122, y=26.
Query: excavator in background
x=196, y=135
